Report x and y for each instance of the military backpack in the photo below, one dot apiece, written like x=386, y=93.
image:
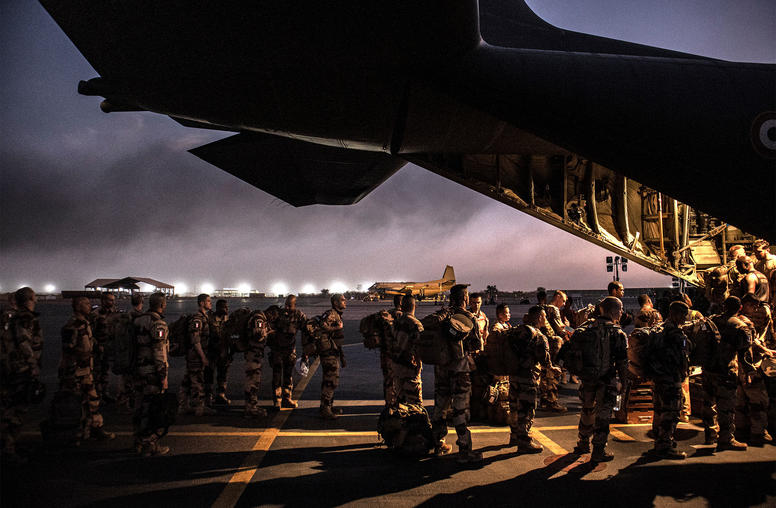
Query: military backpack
x=433, y=347
x=587, y=353
x=178, y=331
x=406, y=429
x=705, y=337
x=640, y=342
x=377, y=329
x=238, y=329
x=122, y=342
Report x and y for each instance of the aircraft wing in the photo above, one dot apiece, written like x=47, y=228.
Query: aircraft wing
x=300, y=173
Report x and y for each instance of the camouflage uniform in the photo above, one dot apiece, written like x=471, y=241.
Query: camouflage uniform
x=523, y=386
x=599, y=395
x=453, y=386
x=125, y=396
x=330, y=355
x=100, y=330
x=386, y=365
x=283, y=355
x=668, y=377
x=647, y=317
x=720, y=379
x=549, y=382
x=752, y=401
x=254, y=355
x=193, y=384
x=75, y=369
x=481, y=378
x=150, y=373
x=19, y=369
x=407, y=366
x=219, y=356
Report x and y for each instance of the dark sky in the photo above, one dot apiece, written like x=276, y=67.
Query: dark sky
x=87, y=195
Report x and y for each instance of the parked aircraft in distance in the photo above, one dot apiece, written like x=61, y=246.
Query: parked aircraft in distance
x=418, y=289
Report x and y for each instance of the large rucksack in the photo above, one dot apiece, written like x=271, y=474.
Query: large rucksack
x=64, y=424
x=237, y=327
x=507, y=351
x=705, y=337
x=177, y=335
x=406, y=429
x=432, y=346
x=122, y=342
x=377, y=330
x=640, y=343
x=583, y=354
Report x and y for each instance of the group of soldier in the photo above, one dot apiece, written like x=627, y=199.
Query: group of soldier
x=734, y=383
x=85, y=364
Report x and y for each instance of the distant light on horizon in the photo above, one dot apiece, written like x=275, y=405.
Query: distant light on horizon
x=337, y=287
x=244, y=288
x=366, y=285
x=279, y=288
x=181, y=288
x=49, y=288
x=207, y=288
x=308, y=289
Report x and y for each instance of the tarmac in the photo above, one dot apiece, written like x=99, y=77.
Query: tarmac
x=293, y=458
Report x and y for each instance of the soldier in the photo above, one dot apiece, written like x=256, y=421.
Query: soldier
x=765, y=261
x=99, y=324
x=599, y=394
x=75, y=368
x=482, y=381
x=503, y=316
x=452, y=383
x=19, y=367
x=386, y=365
x=752, y=401
x=531, y=346
x=750, y=280
x=407, y=366
x=670, y=366
x=554, y=329
x=720, y=377
x=150, y=374
x=283, y=354
x=197, y=338
x=258, y=329
x=125, y=398
x=648, y=316
x=219, y=355
x=331, y=355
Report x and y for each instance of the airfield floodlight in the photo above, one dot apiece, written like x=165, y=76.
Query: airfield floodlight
x=49, y=288
x=308, y=289
x=366, y=285
x=207, y=288
x=279, y=288
x=338, y=287
x=244, y=288
x=181, y=288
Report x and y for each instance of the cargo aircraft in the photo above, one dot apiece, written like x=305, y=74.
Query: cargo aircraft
x=418, y=289
x=659, y=156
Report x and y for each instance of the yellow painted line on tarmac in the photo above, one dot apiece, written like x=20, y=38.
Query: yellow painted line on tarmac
x=343, y=433
x=548, y=443
x=239, y=481
x=619, y=435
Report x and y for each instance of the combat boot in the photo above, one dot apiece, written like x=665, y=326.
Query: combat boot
x=259, y=412
x=582, y=447
x=555, y=407
x=514, y=440
x=760, y=439
x=288, y=402
x=731, y=445
x=601, y=454
x=442, y=449
x=154, y=449
x=529, y=446
x=203, y=410
x=222, y=400
x=327, y=414
x=468, y=456
x=711, y=437
x=276, y=404
x=336, y=410
x=670, y=453
x=99, y=434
